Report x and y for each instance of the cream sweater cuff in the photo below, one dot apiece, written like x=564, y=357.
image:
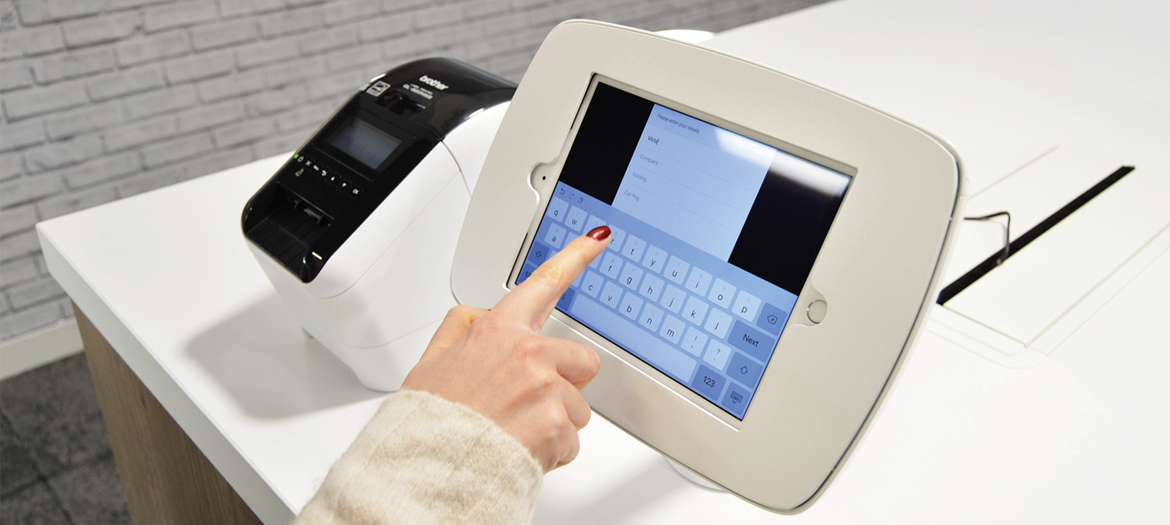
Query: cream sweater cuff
x=423, y=459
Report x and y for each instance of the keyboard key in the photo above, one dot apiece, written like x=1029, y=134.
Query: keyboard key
x=611, y=294
x=718, y=323
x=717, y=354
x=641, y=343
x=745, y=370
x=651, y=287
x=676, y=270
x=631, y=276
x=575, y=220
x=721, y=293
x=538, y=254
x=525, y=273
x=673, y=299
x=693, y=341
x=566, y=300
x=611, y=265
x=695, y=310
x=746, y=305
x=752, y=341
x=617, y=235
x=655, y=259
x=557, y=209
x=772, y=319
x=630, y=306
x=708, y=383
x=736, y=400
x=634, y=248
x=651, y=317
x=672, y=329
x=555, y=236
x=593, y=222
x=698, y=282
x=592, y=283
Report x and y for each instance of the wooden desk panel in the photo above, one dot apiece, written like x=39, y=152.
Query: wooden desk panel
x=167, y=479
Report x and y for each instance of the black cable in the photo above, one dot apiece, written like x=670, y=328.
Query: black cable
x=1007, y=233
x=1015, y=246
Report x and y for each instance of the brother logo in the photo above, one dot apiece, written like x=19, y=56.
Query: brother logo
x=433, y=83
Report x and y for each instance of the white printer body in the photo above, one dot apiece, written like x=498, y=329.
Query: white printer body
x=358, y=229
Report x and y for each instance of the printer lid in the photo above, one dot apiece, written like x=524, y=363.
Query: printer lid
x=438, y=94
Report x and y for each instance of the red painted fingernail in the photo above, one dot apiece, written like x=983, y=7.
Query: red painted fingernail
x=599, y=233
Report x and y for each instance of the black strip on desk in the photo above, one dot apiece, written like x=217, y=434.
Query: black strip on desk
x=989, y=264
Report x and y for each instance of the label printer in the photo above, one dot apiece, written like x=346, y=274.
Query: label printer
x=358, y=229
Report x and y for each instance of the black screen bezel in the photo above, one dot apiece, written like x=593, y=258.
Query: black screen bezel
x=353, y=164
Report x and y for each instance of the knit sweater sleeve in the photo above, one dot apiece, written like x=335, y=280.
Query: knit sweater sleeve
x=423, y=459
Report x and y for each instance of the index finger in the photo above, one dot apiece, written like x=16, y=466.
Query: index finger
x=533, y=300
x=456, y=322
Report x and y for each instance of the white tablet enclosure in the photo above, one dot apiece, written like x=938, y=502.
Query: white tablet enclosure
x=898, y=190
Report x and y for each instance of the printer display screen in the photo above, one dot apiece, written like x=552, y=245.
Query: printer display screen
x=714, y=235
x=363, y=141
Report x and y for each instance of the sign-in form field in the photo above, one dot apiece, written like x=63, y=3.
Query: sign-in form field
x=693, y=180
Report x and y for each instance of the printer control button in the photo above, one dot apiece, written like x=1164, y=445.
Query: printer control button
x=343, y=185
x=354, y=192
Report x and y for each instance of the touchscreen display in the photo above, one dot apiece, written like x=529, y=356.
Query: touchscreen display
x=363, y=141
x=713, y=237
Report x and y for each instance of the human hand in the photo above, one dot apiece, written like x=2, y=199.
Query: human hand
x=496, y=362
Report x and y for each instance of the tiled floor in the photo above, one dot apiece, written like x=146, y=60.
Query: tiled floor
x=56, y=466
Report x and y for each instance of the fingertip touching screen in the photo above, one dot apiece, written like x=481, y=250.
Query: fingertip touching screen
x=713, y=237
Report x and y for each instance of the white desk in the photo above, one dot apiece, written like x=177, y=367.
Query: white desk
x=1080, y=438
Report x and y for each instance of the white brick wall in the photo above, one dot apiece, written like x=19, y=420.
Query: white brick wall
x=101, y=100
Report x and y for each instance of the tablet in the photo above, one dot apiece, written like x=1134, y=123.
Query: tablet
x=774, y=248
